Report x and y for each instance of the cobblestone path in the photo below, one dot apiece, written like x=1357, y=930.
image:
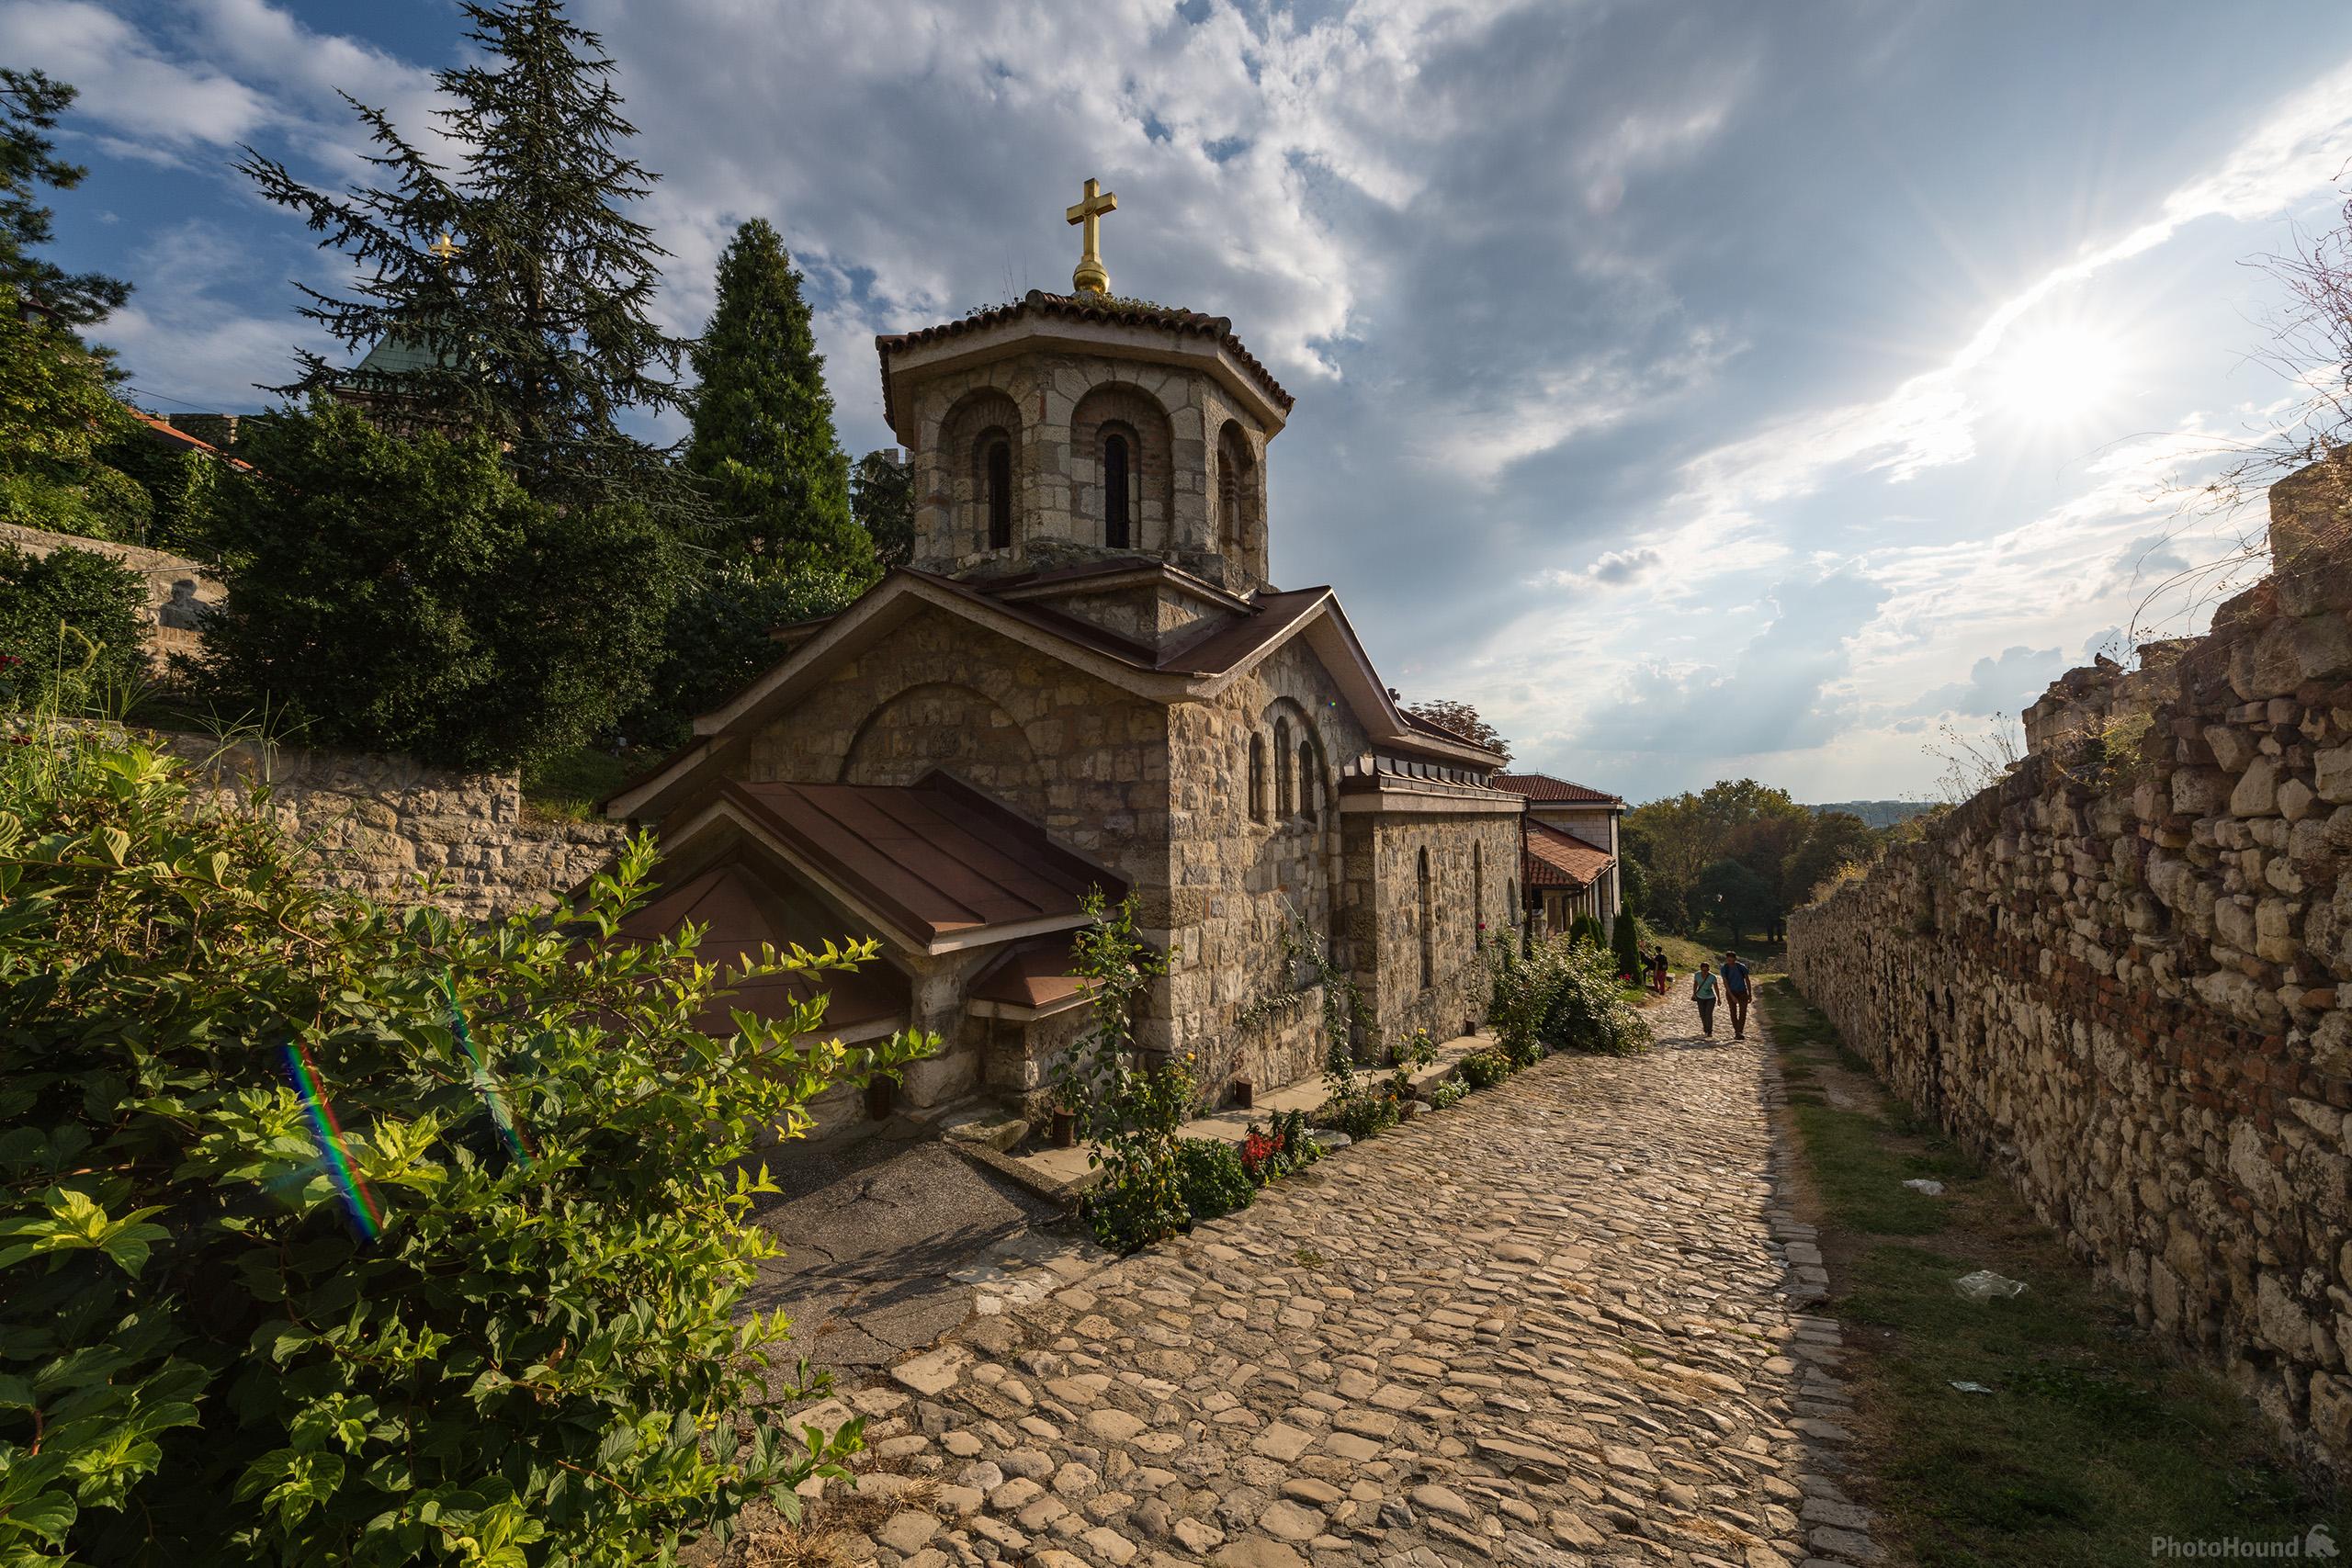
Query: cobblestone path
x=1555, y=1324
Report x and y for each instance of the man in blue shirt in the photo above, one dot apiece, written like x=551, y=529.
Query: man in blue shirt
x=1735, y=992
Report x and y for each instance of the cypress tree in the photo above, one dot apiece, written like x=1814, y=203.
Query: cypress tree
x=536, y=330
x=764, y=422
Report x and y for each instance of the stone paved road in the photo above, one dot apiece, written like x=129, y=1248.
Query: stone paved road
x=1553, y=1325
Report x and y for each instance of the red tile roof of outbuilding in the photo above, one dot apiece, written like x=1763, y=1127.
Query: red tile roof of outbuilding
x=1555, y=859
x=1544, y=786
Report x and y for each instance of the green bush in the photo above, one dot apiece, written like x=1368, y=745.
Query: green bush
x=1484, y=1069
x=1562, y=996
x=330, y=1234
x=406, y=595
x=1450, y=1092
x=1362, y=1114
x=1214, y=1178
x=1627, y=945
x=73, y=629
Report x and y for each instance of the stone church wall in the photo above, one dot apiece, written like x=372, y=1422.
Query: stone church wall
x=2114, y=976
x=1473, y=859
x=379, y=824
x=1239, y=883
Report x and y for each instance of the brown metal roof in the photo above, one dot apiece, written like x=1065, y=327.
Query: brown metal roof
x=742, y=910
x=1544, y=786
x=1032, y=974
x=1084, y=308
x=935, y=859
x=1555, y=859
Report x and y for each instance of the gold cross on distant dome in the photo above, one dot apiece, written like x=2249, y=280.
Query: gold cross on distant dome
x=1090, y=278
x=444, y=247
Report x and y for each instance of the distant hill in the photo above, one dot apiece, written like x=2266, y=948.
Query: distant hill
x=1877, y=813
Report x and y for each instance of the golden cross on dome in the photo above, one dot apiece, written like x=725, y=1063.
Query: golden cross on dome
x=444, y=247
x=1090, y=278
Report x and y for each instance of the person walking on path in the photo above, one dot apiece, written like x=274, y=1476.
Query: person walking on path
x=1658, y=971
x=1702, y=991
x=1735, y=986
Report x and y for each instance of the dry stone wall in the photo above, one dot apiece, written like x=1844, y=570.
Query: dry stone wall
x=383, y=826
x=2114, y=975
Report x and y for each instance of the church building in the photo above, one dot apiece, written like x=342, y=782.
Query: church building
x=1086, y=680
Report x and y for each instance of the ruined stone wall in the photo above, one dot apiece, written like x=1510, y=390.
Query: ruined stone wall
x=2114, y=976
x=382, y=825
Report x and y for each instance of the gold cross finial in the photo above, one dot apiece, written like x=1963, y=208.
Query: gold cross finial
x=444, y=247
x=1090, y=278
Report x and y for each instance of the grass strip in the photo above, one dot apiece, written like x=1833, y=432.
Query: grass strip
x=2096, y=1447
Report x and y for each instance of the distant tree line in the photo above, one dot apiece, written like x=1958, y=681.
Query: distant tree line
x=1736, y=856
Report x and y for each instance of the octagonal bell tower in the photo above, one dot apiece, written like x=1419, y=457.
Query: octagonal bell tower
x=1062, y=430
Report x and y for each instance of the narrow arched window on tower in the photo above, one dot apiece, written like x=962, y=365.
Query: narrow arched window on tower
x=1281, y=768
x=1429, y=926
x=1478, y=891
x=1310, y=779
x=1117, y=523
x=1257, y=776
x=1000, y=480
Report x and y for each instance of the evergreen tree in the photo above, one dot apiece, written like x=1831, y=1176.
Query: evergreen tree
x=30, y=105
x=535, y=330
x=408, y=594
x=1627, y=942
x=882, y=498
x=764, y=422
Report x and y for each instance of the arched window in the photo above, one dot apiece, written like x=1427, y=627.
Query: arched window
x=1512, y=914
x=1478, y=891
x=1284, y=806
x=999, y=494
x=1310, y=778
x=1257, y=776
x=1429, y=926
x=1234, y=490
x=1117, y=523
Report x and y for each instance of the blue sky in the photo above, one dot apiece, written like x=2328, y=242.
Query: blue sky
x=1701, y=390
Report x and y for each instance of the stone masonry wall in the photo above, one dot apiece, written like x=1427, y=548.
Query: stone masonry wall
x=2115, y=976
x=379, y=824
x=178, y=591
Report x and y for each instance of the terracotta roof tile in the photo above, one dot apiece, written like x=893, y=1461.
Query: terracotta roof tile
x=1544, y=786
x=1555, y=859
x=1087, y=308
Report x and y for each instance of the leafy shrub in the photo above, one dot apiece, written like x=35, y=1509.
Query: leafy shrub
x=407, y=595
x=1362, y=1114
x=1585, y=1011
x=333, y=1233
x=1214, y=1178
x=1450, y=1092
x=1141, y=1197
x=1562, y=994
x=1129, y=1113
x=1287, y=1147
x=1418, y=1049
x=72, y=628
x=1484, y=1069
